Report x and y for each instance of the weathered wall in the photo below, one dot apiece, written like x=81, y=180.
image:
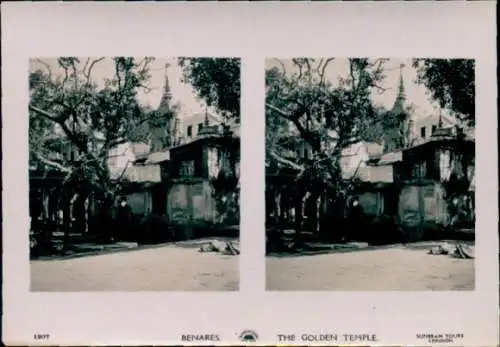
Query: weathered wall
x=427, y=123
x=369, y=202
x=409, y=206
x=203, y=204
x=213, y=165
x=193, y=121
x=190, y=203
x=423, y=204
x=380, y=173
x=441, y=206
x=193, y=203
x=177, y=204
x=139, y=202
x=429, y=203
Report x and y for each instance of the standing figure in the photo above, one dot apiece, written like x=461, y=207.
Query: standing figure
x=355, y=220
x=123, y=219
x=35, y=210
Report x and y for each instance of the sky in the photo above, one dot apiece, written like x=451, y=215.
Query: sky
x=185, y=95
x=416, y=94
x=181, y=92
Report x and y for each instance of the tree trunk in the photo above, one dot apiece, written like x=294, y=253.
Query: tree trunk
x=278, y=215
x=299, y=217
x=106, y=221
x=66, y=218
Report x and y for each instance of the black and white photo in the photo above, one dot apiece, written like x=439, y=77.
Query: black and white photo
x=134, y=173
x=212, y=173
x=370, y=174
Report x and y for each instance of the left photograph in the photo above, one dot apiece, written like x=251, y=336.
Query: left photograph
x=134, y=174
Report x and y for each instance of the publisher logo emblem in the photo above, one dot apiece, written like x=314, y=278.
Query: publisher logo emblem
x=249, y=336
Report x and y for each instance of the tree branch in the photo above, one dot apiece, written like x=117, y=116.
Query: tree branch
x=47, y=66
x=309, y=70
x=285, y=161
x=45, y=114
x=123, y=172
x=323, y=69
x=351, y=74
x=308, y=136
x=72, y=137
x=278, y=110
x=87, y=73
x=283, y=68
x=353, y=177
x=51, y=163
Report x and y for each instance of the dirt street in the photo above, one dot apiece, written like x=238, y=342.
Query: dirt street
x=167, y=268
x=392, y=269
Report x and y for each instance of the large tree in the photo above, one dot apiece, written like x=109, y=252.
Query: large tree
x=68, y=107
x=451, y=83
x=304, y=108
x=216, y=81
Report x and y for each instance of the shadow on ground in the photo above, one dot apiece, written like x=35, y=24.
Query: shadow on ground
x=197, y=243
x=320, y=249
x=426, y=245
x=311, y=250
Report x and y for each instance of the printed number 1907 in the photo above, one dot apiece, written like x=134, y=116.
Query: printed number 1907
x=41, y=336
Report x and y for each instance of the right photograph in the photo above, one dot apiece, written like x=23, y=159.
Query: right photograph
x=370, y=174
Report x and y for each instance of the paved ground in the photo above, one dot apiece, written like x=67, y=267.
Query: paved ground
x=371, y=270
x=167, y=268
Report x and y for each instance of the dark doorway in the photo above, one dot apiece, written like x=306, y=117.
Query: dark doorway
x=391, y=200
x=159, y=200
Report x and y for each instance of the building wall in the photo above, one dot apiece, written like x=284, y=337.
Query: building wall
x=213, y=161
x=191, y=202
x=119, y=157
x=354, y=162
x=370, y=202
x=140, y=202
x=177, y=204
x=409, y=206
x=355, y=158
x=218, y=160
x=437, y=207
x=428, y=123
x=423, y=204
x=190, y=198
x=143, y=173
x=449, y=162
x=203, y=203
x=380, y=173
x=193, y=122
x=410, y=217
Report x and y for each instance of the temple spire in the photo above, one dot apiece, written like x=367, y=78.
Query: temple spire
x=401, y=88
x=401, y=95
x=167, y=94
x=206, y=116
x=167, y=85
x=395, y=139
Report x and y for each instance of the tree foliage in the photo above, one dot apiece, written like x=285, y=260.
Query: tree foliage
x=225, y=181
x=396, y=128
x=451, y=82
x=161, y=128
x=305, y=109
x=69, y=109
x=216, y=81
